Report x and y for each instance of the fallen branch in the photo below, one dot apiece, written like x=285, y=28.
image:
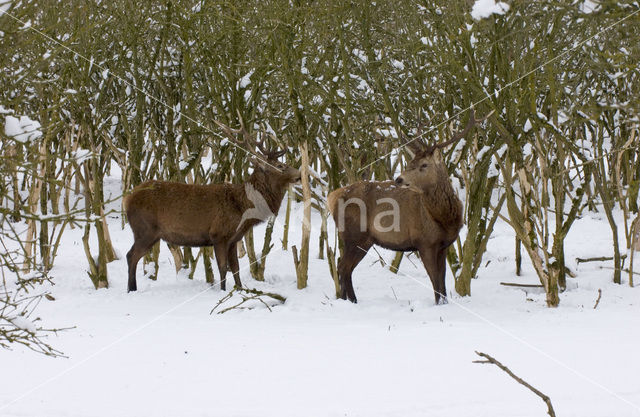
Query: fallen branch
x=598, y=300
x=597, y=259
x=623, y=269
x=515, y=284
x=545, y=398
x=246, y=294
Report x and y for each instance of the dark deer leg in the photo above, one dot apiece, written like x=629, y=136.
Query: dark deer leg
x=233, y=264
x=221, y=257
x=353, y=254
x=442, y=271
x=137, y=251
x=429, y=256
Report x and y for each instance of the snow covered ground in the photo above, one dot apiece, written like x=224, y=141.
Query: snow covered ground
x=159, y=352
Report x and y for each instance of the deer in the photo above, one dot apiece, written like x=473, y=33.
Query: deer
x=215, y=215
x=419, y=211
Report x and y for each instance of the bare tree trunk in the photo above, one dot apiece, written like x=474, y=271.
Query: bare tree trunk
x=395, y=264
x=207, y=255
x=302, y=263
x=150, y=262
x=635, y=231
x=333, y=269
x=287, y=218
x=30, y=242
x=258, y=266
x=323, y=232
x=178, y=256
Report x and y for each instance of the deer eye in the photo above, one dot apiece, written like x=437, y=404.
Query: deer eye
x=423, y=166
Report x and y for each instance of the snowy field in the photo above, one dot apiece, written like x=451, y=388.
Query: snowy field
x=159, y=352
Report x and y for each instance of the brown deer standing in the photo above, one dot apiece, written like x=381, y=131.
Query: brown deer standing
x=215, y=215
x=420, y=211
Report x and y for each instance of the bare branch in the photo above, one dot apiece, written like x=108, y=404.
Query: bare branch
x=598, y=300
x=545, y=398
x=459, y=135
x=247, y=294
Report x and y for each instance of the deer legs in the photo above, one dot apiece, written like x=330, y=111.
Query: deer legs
x=353, y=254
x=233, y=264
x=137, y=251
x=221, y=252
x=434, y=261
x=227, y=259
x=442, y=271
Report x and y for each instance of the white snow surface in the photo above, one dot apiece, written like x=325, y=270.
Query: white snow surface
x=246, y=79
x=589, y=6
x=158, y=351
x=5, y=5
x=22, y=129
x=484, y=8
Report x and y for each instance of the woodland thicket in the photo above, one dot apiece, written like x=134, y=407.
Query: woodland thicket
x=137, y=85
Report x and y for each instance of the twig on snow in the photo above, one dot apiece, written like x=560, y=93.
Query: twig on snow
x=246, y=294
x=545, y=398
x=598, y=300
x=515, y=284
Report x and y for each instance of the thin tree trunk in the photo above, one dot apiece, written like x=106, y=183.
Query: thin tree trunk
x=287, y=218
x=302, y=263
x=207, y=255
x=395, y=264
x=150, y=260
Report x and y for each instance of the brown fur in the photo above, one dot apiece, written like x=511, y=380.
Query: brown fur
x=201, y=215
x=430, y=218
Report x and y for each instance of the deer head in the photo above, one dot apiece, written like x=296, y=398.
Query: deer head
x=427, y=168
x=267, y=158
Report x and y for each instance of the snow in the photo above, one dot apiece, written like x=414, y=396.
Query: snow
x=23, y=129
x=23, y=323
x=5, y=5
x=360, y=55
x=397, y=64
x=589, y=6
x=158, y=352
x=484, y=8
x=81, y=155
x=245, y=80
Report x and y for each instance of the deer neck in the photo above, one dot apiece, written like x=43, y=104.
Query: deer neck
x=271, y=189
x=442, y=202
